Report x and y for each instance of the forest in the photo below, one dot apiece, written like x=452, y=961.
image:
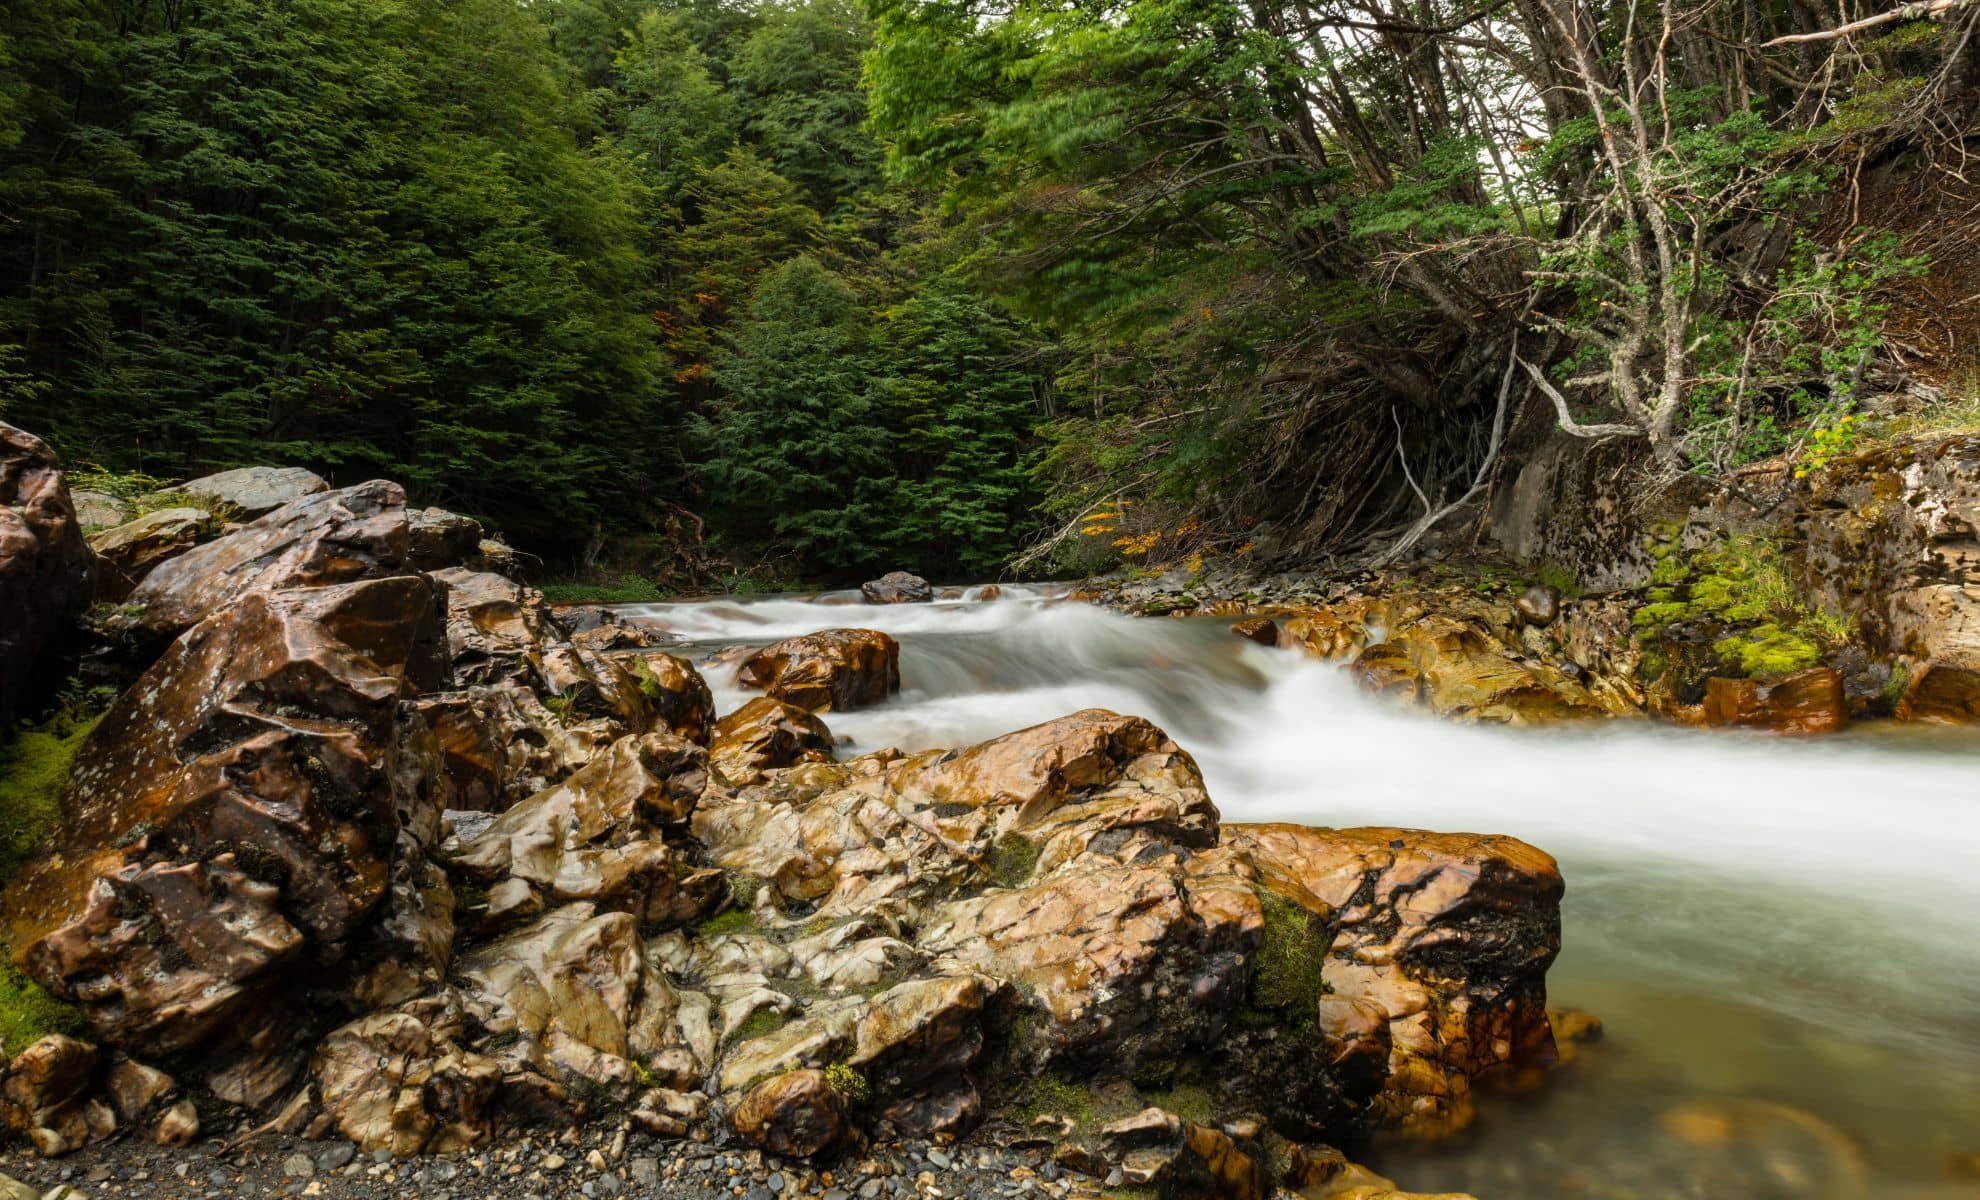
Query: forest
x=717, y=294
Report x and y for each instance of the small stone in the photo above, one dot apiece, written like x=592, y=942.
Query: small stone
x=939, y=1159
x=553, y=1162
x=336, y=1156
x=298, y=1166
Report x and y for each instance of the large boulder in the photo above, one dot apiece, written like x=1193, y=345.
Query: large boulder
x=1810, y=701
x=233, y=821
x=127, y=553
x=897, y=587
x=499, y=743
x=437, y=539
x=400, y=1082
x=251, y=492
x=797, y=1114
x=326, y=538
x=1436, y=953
x=764, y=735
x=45, y=564
x=839, y=669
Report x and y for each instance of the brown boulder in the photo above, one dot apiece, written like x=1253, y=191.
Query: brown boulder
x=395, y=1082
x=1263, y=630
x=45, y=1096
x=254, y=491
x=896, y=587
x=764, y=735
x=598, y=835
x=676, y=692
x=1538, y=605
x=834, y=669
x=1810, y=701
x=1182, y=1160
x=1943, y=694
x=1445, y=938
x=496, y=628
x=127, y=553
x=437, y=539
x=241, y=803
x=797, y=1114
x=45, y=565
x=328, y=538
x=499, y=744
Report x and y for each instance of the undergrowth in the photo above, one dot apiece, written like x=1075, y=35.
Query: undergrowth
x=1741, y=582
x=34, y=767
x=625, y=589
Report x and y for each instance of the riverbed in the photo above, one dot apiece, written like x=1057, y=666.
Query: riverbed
x=1781, y=938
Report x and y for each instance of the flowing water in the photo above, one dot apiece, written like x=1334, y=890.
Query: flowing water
x=1781, y=938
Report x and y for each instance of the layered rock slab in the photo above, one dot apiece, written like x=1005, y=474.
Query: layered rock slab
x=839, y=669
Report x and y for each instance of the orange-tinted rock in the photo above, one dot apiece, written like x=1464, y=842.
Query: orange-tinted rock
x=1946, y=695
x=125, y=554
x=598, y=835
x=499, y=744
x=496, y=628
x=1262, y=630
x=239, y=805
x=1182, y=1159
x=796, y=1114
x=45, y=1095
x=839, y=669
x=678, y=695
x=1810, y=701
x=328, y=538
x=896, y=587
x=1446, y=937
x=766, y=734
x=45, y=565
x=392, y=1081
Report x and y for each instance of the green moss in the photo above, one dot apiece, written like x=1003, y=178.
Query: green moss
x=1742, y=583
x=625, y=589
x=848, y=1082
x=34, y=767
x=1012, y=860
x=1560, y=579
x=1187, y=1101
x=1285, y=970
x=729, y=920
x=761, y=1023
x=28, y=1014
x=1055, y=1095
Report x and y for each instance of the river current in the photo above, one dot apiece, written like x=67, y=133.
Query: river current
x=1782, y=938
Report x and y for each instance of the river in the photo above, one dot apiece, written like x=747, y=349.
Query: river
x=1782, y=938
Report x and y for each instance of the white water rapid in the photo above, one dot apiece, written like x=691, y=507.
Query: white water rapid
x=1781, y=937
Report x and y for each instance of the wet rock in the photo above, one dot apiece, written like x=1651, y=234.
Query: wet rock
x=896, y=587
x=393, y=1082
x=239, y=806
x=500, y=743
x=1182, y=1159
x=496, y=628
x=598, y=835
x=676, y=692
x=437, y=539
x=45, y=565
x=586, y=685
x=128, y=552
x=797, y=1114
x=573, y=997
x=45, y=1096
x=327, y=538
x=177, y=1125
x=1810, y=701
x=137, y=1090
x=253, y=491
x=1538, y=605
x=1263, y=630
x=1943, y=694
x=1445, y=939
x=839, y=669
x=764, y=735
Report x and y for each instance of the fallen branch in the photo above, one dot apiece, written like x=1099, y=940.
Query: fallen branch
x=1568, y=424
x=1917, y=11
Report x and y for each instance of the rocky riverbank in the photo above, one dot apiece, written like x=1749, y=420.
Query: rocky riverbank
x=1797, y=604
x=373, y=850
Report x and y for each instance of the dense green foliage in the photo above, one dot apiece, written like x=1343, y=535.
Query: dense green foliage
x=499, y=252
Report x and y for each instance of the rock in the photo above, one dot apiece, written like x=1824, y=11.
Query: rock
x=437, y=539
x=178, y=1125
x=1573, y=1029
x=392, y=1082
x=1263, y=630
x=322, y=539
x=239, y=807
x=99, y=510
x=574, y=998
x=839, y=669
x=1438, y=950
x=1809, y=701
x=45, y=1095
x=45, y=565
x=598, y=835
x=125, y=554
x=896, y=587
x=1182, y=1159
x=678, y=694
x=764, y=735
x=135, y=1089
x=1943, y=694
x=1538, y=605
x=497, y=629
x=499, y=743
x=254, y=491
x=988, y=591
x=797, y=1114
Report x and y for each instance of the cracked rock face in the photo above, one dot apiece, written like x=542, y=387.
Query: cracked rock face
x=327, y=538
x=127, y=553
x=238, y=808
x=835, y=669
x=45, y=565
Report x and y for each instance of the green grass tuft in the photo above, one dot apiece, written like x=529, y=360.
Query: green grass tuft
x=34, y=766
x=1012, y=860
x=1286, y=970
